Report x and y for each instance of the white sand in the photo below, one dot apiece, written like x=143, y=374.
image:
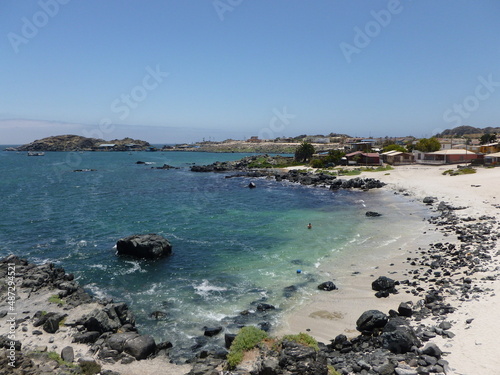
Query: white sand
x=473, y=351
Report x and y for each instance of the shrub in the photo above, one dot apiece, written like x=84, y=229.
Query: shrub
x=349, y=172
x=90, y=368
x=456, y=172
x=303, y=339
x=55, y=299
x=317, y=163
x=247, y=339
x=332, y=371
x=56, y=357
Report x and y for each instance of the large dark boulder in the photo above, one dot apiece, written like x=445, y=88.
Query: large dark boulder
x=384, y=285
x=212, y=331
x=398, y=336
x=86, y=337
x=327, y=285
x=298, y=359
x=138, y=346
x=100, y=321
x=405, y=309
x=371, y=320
x=432, y=350
x=144, y=246
x=68, y=354
x=51, y=322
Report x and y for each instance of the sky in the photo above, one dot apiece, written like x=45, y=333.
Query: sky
x=170, y=71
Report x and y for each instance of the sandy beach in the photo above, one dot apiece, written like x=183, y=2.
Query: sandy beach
x=473, y=350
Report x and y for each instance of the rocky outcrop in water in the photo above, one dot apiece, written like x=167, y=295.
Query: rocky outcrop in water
x=144, y=246
x=246, y=169
x=79, y=143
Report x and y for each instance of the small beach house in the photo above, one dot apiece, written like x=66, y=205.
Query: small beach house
x=445, y=156
x=492, y=159
x=363, y=158
x=397, y=157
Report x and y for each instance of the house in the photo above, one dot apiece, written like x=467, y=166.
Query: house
x=445, y=156
x=397, y=157
x=106, y=146
x=132, y=146
x=489, y=148
x=255, y=139
x=322, y=140
x=363, y=158
x=363, y=145
x=492, y=159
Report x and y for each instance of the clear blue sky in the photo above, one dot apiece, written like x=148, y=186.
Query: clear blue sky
x=173, y=71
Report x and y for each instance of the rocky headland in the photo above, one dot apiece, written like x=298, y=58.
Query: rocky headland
x=79, y=143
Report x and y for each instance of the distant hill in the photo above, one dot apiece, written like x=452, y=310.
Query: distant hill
x=467, y=130
x=78, y=143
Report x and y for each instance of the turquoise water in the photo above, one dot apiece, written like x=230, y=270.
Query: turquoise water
x=232, y=245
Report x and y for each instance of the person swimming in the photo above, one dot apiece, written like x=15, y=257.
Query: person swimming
x=309, y=226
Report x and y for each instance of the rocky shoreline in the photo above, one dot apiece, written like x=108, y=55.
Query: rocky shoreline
x=400, y=341
x=90, y=333
x=245, y=169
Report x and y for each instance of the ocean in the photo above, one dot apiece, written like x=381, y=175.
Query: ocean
x=233, y=247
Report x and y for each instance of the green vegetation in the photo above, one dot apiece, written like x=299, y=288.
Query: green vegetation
x=55, y=299
x=303, y=339
x=56, y=357
x=90, y=368
x=261, y=162
x=488, y=138
x=304, y=151
x=378, y=169
x=317, y=163
x=349, y=172
x=428, y=145
x=332, y=159
x=459, y=171
x=332, y=371
x=247, y=339
x=394, y=147
x=278, y=162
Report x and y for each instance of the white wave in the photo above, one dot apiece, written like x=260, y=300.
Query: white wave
x=135, y=266
x=99, y=266
x=151, y=291
x=96, y=291
x=205, y=288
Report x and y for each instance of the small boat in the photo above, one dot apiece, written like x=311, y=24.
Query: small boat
x=33, y=153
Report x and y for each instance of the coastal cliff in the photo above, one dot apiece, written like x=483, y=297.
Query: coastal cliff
x=79, y=143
